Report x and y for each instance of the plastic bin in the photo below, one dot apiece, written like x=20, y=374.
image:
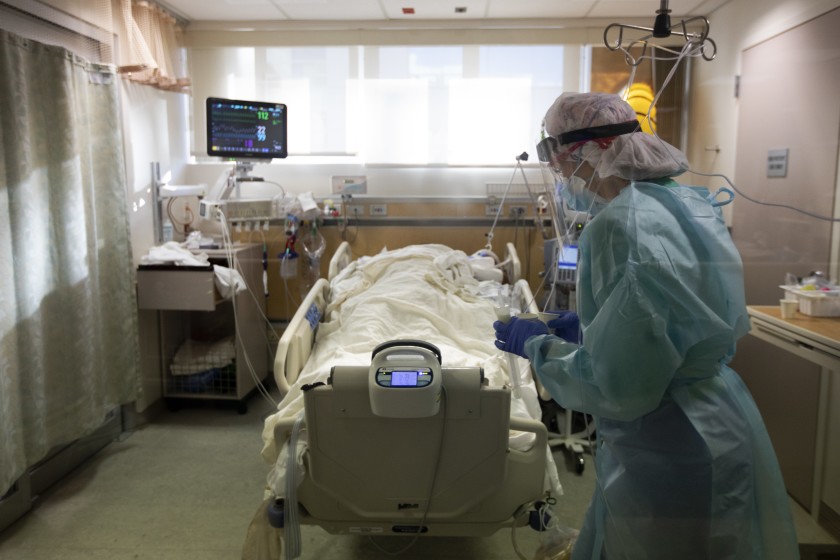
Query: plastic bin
x=819, y=305
x=815, y=303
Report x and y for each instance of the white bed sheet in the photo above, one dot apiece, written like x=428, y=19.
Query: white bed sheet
x=421, y=292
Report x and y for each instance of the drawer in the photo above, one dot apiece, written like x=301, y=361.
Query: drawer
x=184, y=288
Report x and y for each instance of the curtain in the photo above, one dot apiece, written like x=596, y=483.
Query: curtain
x=150, y=45
x=68, y=320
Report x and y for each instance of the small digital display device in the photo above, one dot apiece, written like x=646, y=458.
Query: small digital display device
x=246, y=129
x=403, y=377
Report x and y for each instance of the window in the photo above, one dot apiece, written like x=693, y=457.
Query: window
x=401, y=105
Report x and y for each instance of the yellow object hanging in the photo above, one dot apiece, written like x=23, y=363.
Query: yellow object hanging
x=640, y=97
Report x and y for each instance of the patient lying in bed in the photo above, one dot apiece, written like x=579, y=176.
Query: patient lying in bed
x=422, y=292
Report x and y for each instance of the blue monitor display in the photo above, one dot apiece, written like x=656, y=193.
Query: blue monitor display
x=246, y=129
x=567, y=257
x=404, y=378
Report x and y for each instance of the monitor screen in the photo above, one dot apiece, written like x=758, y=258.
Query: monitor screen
x=567, y=257
x=246, y=129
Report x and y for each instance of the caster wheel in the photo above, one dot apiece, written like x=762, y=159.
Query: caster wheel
x=241, y=408
x=579, y=463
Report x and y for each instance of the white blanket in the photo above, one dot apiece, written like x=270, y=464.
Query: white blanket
x=421, y=292
x=196, y=356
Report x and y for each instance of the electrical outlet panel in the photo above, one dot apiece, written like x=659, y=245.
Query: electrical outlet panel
x=237, y=210
x=378, y=209
x=355, y=210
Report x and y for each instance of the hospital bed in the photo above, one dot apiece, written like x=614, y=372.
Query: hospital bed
x=365, y=463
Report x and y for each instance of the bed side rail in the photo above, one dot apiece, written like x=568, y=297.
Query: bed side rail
x=513, y=266
x=528, y=304
x=340, y=259
x=296, y=343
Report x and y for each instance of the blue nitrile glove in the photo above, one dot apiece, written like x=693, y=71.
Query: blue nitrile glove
x=567, y=326
x=511, y=336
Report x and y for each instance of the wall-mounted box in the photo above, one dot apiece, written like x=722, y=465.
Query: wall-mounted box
x=349, y=184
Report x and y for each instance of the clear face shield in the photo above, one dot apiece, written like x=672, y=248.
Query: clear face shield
x=565, y=164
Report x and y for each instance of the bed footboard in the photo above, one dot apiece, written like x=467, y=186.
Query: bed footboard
x=296, y=343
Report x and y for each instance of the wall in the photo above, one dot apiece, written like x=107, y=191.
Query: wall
x=714, y=108
x=315, y=177
x=457, y=223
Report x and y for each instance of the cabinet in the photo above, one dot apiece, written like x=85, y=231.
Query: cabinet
x=816, y=339
x=211, y=347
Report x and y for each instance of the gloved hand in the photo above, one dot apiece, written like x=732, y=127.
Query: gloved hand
x=567, y=326
x=511, y=336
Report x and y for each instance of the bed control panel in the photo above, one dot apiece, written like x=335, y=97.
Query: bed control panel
x=400, y=377
x=405, y=379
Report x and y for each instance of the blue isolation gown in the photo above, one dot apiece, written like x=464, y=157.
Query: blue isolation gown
x=685, y=468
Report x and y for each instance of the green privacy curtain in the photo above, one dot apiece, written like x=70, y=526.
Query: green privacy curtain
x=68, y=319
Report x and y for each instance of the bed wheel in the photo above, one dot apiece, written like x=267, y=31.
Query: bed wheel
x=579, y=463
x=241, y=407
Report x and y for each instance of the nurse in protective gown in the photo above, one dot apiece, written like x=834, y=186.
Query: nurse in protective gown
x=684, y=466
